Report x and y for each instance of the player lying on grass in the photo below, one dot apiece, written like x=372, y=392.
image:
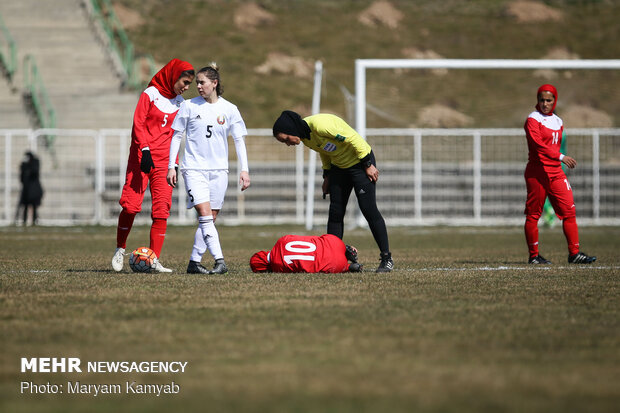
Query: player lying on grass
x=307, y=253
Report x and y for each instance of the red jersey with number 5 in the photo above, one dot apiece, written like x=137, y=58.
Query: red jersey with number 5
x=544, y=137
x=152, y=126
x=308, y=253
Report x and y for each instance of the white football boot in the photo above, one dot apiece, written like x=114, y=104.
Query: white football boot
x=118, y=259
x=157, y=267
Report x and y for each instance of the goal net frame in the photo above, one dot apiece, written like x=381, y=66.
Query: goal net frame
x=362, y=65
x=361, y=106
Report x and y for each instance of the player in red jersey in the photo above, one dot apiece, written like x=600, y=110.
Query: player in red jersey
x=148, y=156
x=544, y=177
x=307, y=253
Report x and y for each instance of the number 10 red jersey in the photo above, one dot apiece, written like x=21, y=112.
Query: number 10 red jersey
x=309, y=253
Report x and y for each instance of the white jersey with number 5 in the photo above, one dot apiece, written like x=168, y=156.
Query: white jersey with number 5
x=207, y=126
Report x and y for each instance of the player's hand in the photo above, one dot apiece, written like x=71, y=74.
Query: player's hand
x=372, y=173
x=244, y=180
x=570, y=162
x=146, y=164
x=171, y=178
x=325, y=187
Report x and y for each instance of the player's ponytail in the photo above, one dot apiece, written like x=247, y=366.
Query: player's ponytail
x=213, y=72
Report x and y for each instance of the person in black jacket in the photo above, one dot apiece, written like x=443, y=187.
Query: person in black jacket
x=32, y=191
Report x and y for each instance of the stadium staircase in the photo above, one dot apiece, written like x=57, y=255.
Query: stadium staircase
x=13, y=113
x=79, y=77
x=75, y=67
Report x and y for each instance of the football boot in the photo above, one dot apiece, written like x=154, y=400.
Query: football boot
x=581, y=258
x=219, y=267
x=387, y=263
x=157, y=267
x=351, y=253
x=118, y=260
x=194, y=267
x=539, y=259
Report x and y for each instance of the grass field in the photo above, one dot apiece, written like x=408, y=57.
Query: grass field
x=462, y=324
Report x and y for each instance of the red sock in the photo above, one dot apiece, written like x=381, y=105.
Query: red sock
x=569, y=225
x=531, y=235
x=125, y=221
x=158, y=233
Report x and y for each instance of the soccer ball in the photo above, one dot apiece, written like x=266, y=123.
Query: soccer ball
x=142, y=259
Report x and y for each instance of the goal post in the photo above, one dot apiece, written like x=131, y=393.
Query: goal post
x=316, y=107
x=472, y=173
x=362, y=65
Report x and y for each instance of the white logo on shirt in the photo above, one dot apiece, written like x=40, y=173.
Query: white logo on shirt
x=329, y=147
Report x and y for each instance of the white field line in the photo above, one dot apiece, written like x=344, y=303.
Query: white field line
x=486, y=268
x=527, y=268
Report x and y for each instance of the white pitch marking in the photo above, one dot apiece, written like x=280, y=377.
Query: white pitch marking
x=507, y=268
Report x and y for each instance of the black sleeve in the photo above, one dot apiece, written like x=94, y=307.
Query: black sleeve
x=366, y=161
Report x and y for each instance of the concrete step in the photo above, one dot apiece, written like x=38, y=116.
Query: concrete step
x=13, y=112
x=77, y=71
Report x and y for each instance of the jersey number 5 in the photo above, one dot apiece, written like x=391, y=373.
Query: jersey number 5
x=300, y=247
x=165, y=120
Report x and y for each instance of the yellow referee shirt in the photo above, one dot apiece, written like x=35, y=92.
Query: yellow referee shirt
x=336, y=142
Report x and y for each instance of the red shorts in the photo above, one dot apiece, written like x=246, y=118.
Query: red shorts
x=540, y=185
x=136, y=182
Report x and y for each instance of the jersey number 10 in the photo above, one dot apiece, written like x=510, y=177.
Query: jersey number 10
x=299, y=247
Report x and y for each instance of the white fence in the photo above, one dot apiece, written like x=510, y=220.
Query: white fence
x=428, y=177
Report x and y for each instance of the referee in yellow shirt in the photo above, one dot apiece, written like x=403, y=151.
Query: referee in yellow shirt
x=348, y=163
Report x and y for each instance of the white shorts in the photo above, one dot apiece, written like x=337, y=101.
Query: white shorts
x=205, y=186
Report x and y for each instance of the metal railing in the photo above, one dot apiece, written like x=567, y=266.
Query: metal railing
x=34, y=90
x=119, y=45
x=428, y=177
x=8, y=52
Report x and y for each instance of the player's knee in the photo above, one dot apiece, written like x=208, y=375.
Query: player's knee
x=160, y=211
x=131, y=209
x=160, y=214
x=570, y=216
x=336, y=213
x=336, y=217
x=532, y=216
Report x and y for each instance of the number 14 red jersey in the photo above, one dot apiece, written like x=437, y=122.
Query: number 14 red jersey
x=544, y=138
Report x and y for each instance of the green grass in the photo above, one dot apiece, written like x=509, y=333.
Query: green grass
x=460, y=325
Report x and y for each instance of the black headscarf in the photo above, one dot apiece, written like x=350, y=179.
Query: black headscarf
x=291, y=123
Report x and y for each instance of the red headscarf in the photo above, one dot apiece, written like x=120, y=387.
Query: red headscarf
x=547, y=88
x=165, y=79
x=259, y=262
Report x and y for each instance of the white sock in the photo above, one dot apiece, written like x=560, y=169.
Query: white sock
x=210, y=236
x=199, y=246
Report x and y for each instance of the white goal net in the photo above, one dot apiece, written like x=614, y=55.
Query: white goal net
x=449, y=140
